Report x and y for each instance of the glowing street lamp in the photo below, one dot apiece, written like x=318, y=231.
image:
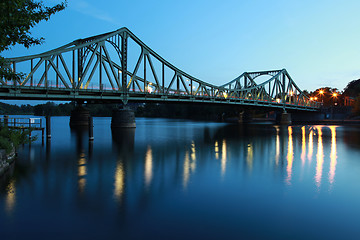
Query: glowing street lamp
x=335, y=96
x=321, y=92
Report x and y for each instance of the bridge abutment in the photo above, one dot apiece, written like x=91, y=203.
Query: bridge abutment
x=123, y=118
x=79, y=116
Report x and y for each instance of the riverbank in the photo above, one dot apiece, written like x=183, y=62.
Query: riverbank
x=6, y=161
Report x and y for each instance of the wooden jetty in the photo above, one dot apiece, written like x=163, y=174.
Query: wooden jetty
x=32, y=124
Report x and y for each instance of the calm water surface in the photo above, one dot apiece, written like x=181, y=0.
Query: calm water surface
x=174, y=179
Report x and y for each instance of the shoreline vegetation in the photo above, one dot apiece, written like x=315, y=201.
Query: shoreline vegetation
x=6, y=160
x=10, y=139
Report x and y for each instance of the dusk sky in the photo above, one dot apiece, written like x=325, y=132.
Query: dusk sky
x=216, y=41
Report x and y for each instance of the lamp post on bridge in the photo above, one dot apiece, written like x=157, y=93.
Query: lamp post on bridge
x=321, y=92
x=334, y=98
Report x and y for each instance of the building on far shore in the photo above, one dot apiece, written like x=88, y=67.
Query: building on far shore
x=349, y=101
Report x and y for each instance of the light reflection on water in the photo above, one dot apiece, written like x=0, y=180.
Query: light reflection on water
x=303, y=146
x=10, y=197
x=119, y=181
x=223, y=158
x=148, y=167
x=319, y=158
x=333, y=156
x=311, y=144
x=290, y=156
x=225, y=170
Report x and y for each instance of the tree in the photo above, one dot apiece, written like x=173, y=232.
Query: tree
x=327, y=96
x=17, y=17
x=352, y=89
x=10, y=139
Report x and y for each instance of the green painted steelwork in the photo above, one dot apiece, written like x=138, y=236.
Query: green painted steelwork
x=98, y=69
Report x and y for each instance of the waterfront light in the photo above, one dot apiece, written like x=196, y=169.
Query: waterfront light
x=149, y=88
x=321, y=94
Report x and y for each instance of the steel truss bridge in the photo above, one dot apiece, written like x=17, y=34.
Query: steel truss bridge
x=119, y=67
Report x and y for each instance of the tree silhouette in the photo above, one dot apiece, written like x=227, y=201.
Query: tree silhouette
x=17, y=17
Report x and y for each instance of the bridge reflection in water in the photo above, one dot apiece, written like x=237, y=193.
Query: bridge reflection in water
x=126, y=175
x=123, y=140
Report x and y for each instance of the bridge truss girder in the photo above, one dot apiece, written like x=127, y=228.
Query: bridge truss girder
x=117, y=66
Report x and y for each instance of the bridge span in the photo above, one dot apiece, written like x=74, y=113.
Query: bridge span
x=118, y=67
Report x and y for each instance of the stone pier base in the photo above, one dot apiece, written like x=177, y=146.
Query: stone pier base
x=123, y=118
x=285, y=119
x=79, y=117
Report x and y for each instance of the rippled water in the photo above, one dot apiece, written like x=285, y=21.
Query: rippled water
x=174, y=179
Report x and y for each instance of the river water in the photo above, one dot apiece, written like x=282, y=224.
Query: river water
x=177, y=179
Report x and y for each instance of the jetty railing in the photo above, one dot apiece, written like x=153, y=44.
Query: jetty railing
x=32, y=124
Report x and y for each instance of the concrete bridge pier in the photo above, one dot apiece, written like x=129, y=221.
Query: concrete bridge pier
x=244, y=117
x=285, y=118
x=79, y=116
x=123, y=118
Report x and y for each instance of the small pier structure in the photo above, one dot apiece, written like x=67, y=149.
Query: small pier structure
x=22, y=123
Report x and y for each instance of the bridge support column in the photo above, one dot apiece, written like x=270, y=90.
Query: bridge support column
x=79, y=116
x=285, y=118
x=244, y=117
x=241, y=118
x=123, y=118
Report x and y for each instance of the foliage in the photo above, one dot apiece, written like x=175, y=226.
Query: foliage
x=52, y=109
x=352, y=89
x=15, y=110
x=10, y=138
x=17, y=17
x=326, y=96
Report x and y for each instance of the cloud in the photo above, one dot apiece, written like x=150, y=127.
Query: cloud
x=93, y=11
